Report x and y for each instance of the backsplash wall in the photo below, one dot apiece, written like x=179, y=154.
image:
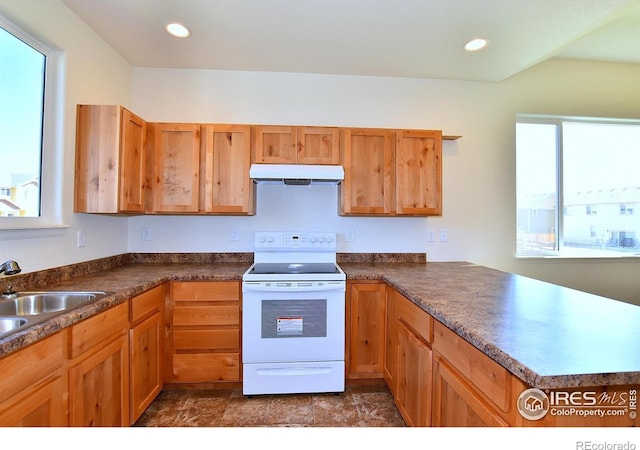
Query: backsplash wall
x=279, y=208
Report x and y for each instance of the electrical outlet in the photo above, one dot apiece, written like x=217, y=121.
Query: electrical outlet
x=234, y=235
x=351, y=235
x=431, y=236
x=444, y=235
x=145, y=234
x=82, y=238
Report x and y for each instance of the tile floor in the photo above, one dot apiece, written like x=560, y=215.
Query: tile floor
x=358, y=406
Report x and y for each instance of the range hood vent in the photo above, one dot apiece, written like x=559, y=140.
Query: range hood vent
x=296, y=174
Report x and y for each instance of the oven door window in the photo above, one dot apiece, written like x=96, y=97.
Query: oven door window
x=294, y=318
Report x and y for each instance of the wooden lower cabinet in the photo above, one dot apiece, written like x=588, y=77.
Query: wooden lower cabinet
x=457, y=404
x=41, y=405
x=413, y=377
x=205, y=332
x=146, y=337
x=470, y=389
x=409, y=375
x=99, y=369
x=365, y=315
x=32, y=386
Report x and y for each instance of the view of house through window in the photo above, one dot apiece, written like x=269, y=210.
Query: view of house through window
x=22, y=81
x=578, y=187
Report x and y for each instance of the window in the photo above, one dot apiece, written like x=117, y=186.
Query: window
x=577, y=186
x=22, y=93
x=29, y=126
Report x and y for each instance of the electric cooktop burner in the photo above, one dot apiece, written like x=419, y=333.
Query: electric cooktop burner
x=294, y=268
x=294, y=256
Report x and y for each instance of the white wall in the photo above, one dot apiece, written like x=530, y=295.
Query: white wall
x=94, y=73
x=479, y=184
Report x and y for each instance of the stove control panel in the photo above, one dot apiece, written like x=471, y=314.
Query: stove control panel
x=293, y=241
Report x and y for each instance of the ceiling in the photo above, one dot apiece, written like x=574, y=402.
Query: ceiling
x=395, y=38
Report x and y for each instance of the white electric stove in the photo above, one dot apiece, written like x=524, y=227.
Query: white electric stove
x=293, y=321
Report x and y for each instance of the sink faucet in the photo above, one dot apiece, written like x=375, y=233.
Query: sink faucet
x=10, y=267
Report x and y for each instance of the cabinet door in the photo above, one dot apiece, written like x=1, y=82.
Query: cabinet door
x=99, y=385
x=275, y=144
x=456, y=404
x=132, y=162
x=228, y=188
x=368, y=186
x=40, y=405
x=97, y=160
x=365, y=316
x=146, y=370
x=318, y=145
x=176, y=168
x=110, y=175
x=32, y=385
x=419, y=172
x=413, y=372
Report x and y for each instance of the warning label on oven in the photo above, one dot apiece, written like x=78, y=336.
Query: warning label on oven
x=288, y=326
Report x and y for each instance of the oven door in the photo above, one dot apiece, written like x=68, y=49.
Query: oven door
x=293, y=321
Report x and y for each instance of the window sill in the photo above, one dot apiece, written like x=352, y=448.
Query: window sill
x=33, y=231
x=581, y=254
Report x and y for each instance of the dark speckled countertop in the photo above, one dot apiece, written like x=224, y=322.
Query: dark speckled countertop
x=547, y=335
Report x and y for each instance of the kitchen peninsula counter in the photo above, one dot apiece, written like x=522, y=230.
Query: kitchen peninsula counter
x=547, y=335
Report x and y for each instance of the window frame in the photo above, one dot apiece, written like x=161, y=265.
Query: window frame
x=558, y=121
x=52, y=145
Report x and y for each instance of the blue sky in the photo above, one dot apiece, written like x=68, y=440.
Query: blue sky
x=21, y=89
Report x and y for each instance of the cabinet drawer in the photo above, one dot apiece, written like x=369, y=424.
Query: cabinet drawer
x=195, y=315
x=206, y=291
x=414, y=317
x=145, y=303
x=92, y=331
x=491, y=379
x=206, y=339
x=206, y=367
x=22, y=369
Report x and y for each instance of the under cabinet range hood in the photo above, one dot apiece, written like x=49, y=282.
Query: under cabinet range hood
x=296, y=174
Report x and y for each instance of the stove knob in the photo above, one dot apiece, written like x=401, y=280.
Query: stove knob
x=313, y=239
x=269, y=239
x=329, y=239
x=262, y=238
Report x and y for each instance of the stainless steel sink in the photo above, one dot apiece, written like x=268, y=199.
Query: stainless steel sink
x=9, y=325
x=29, y=308
x=34, y=303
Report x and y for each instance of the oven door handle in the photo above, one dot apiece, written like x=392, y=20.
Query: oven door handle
x=292, y=286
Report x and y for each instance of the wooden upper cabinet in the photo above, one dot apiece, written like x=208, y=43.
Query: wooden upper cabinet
x=176, y=168
x=277, y=144
x=368, y=186
x=391, y=172
x=318, y=145
x=132, y=163
x=228, y=188
x=110, y=160
x=418, y=172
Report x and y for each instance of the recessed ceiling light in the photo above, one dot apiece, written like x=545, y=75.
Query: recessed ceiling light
x=178, y=30
x=476, y=44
